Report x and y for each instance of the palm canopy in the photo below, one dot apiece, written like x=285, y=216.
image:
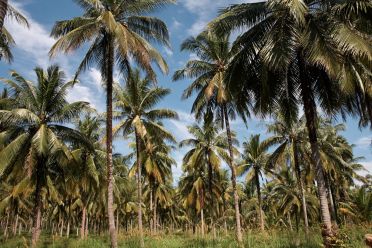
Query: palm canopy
x=255, y=157
x=135, y=107
x=208, y=146
x=35, y=126
x=117, y=25
x=280, y=34
x=208, y=71
x=6, y=38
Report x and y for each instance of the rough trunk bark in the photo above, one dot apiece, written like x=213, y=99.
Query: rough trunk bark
x=260, y=212
x=3, y=11
x=311, y=119
x=15, y=225
x=83, y=218
x=6, y=226
x=37, y=210
x=151, y=211
x=238, y=230
x=301, y=185
x=109, y=88
x=139, y=188
x=155, y=215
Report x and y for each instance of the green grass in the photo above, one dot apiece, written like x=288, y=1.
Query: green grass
x=353, y=238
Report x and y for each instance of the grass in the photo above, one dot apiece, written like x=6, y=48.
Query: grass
x=353, y=238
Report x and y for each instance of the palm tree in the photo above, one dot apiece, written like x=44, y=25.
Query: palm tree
x=295, y=50
x=3, y=11
x=209, y=148
x=118, y=33
x=255, y=160
x=209, y=71
x=85, y=165
x=134, y=104
x=35, y=132
x=6, y=39
x=289, y=138
x=158, y=170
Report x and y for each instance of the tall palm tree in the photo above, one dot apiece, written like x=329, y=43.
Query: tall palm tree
x=289, y=137
x=117, y=32
x=208, y=71
x=35, y=131
x=254, y=164
x=296, y=51
x=135, y=107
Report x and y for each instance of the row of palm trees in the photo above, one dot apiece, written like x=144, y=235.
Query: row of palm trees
x=290, y=54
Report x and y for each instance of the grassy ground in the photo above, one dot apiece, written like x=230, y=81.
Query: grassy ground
x=353, y=238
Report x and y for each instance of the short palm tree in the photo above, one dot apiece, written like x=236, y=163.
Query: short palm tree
x=134, y=105
x=255, y=158
x=118, y=33
x=209, y=73
x=35, y=130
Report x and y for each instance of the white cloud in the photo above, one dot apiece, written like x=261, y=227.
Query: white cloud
x=205, y=10
x=176, y=24
x=32, y=47
x=168, y=51
x=368, y=166
x=364, y=142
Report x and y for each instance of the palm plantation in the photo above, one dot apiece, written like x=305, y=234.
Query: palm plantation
x=263, y=159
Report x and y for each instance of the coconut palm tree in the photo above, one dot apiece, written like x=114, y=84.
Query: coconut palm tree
x=208, y=71
x=255, y=158
x=299, y=48
x=134, y=105
x=6, y=39
x=118, y=34
x=35, y=131
x=209, y=148
x=289, y=137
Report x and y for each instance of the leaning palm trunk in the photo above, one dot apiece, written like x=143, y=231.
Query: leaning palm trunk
x=260, y=212
x=239, y=236
x=311, y=118
x=139, y=187
x=3, y=10
x=300, y=184
x=37, y=210
x=109, y=86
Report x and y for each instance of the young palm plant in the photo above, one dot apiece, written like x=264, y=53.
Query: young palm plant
x=135, y=107
x=118, y=33
x=35, y=131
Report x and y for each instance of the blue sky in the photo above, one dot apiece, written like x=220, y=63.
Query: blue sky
x=186, y=18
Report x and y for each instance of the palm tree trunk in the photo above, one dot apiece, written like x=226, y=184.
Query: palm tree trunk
x=37, y=209
x=202, y=222
x=15, y=225
x=238, y=230
x=301, y=185
x=311, y=119
x=83, y=218
x=139, y=188
x=155, y=214
x=3, y=11
x=260, y=212
x=109, y=88
x=6, y=226
x=151, y=211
